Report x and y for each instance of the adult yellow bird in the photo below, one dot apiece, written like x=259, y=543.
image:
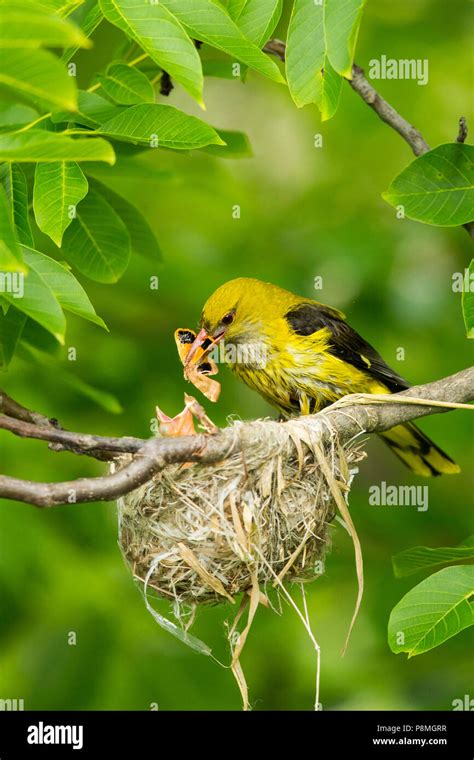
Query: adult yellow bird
x=302, y=356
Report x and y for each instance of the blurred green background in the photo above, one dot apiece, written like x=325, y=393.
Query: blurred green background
x=305, y=212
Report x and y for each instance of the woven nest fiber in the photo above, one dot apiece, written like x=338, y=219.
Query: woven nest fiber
x=199, y=534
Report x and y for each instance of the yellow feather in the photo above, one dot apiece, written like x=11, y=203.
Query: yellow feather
x=304, y=373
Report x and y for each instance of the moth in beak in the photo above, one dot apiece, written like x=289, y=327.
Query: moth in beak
x=193, y=351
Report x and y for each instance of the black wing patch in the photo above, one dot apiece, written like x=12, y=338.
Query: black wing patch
x=346, y=343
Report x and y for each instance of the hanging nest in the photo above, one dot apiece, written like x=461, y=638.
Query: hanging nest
x=201, y=533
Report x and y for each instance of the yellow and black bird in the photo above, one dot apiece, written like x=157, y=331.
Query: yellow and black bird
x=302, y=356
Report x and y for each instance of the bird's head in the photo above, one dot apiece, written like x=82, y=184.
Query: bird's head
x=240, y=311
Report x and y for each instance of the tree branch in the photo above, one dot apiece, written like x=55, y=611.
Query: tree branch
x=384, y=111
x=349, y=417
x=13, y=409
x=97, y=446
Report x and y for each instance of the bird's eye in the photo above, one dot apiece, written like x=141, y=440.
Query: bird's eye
x=227, y=319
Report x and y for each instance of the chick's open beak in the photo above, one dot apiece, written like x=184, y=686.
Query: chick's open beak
x=203, y=343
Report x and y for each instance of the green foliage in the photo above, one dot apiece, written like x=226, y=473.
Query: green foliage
x=311, y=76
x=97, y=242
x=156, y=126
x=419, y=558
x=437, y=187
x=435, y=610
x=10, y=253
x=209, y=22
x=235, y=145
x=14, y=183
x=53, y=121
x=11, y=328
x=39, y=76
x=37, y=145
x=160, y=35
x=126, y=85
x=93, y=18
x=92, y=110
x=342, y=22
x=27, y=26
x=256, y=19
x=58, y=188
x=39, y=301
x=68, y=292
x=468, y=301
x=142, y=239
x=305, y=52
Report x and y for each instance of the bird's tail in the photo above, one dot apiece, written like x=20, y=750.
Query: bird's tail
x=418, y=452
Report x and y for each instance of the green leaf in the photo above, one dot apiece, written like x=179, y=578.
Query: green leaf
x=11, y=259
x=37, y=300
x=62, y=7
x=164, y=126
x=256, y=19
x=237, y=145
x=59, y=187
x=432, y=612
x=38, y=338
x=311, y=78
x=160, y=35
x=69, y=292
x=11, y=328
x=437, y=187
x=126, y=85
x=468, y=301
x=91, y=21
x=14, y=183
x=142, y=238
x=342, y=21
x=305, y=52
x=16, y=114
x=97, y=242
x=235, y=8
x=39, y=145
x=91, y=110
x=209, y=22
x=39, y=76
x=419, y=558
x=128, y=169
x=28, y=26
x=331, y=87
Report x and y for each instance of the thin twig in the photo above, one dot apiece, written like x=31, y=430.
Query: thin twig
x=387, y=113
x=276, y=47
x=97, y=446
x=13, y=409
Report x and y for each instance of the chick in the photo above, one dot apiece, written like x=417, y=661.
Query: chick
x=302, y=356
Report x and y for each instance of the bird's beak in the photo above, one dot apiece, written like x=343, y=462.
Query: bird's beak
x=203, y=343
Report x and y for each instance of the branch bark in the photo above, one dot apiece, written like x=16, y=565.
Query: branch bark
x=349, y=417
x=384, y=111
x=97, y=446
